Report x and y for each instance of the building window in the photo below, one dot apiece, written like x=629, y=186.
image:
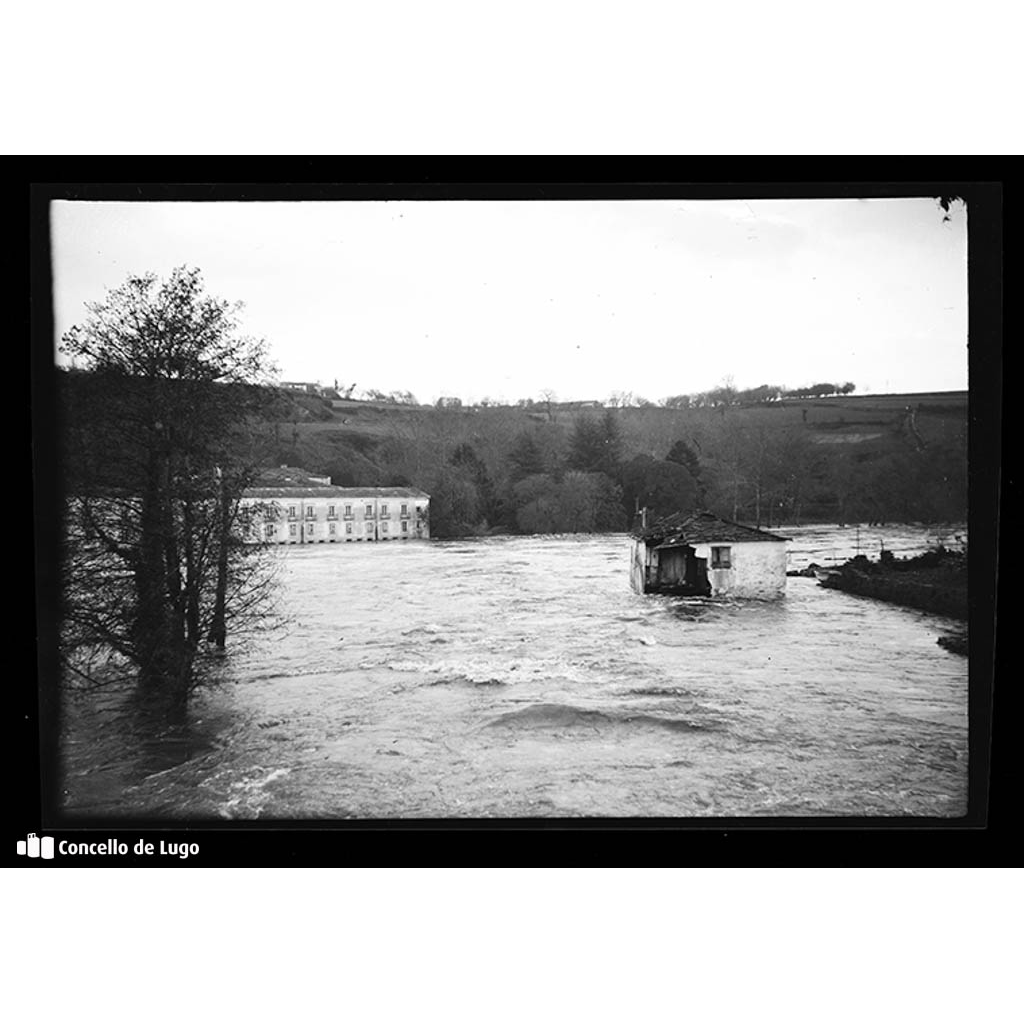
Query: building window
x=292, y=529
x=405, y=527
x=331, y=513
x=405, y=510
x=310, y=527
x=291, y=511
x=384, y=510
x=721, y=558
x=348, y=510
x=348, y=527
x=310, y=512
x=369, y=511
x=333, y=527
x=270, y=530
x=383, y=527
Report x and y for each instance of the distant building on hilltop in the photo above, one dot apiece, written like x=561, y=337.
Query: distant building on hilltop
x=700, y=554
x=575, y=406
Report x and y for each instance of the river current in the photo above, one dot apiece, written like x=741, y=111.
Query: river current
x=521, y=677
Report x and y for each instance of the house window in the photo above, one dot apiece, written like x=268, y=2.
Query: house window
x=721, y=558
x=291, y=511
x=383, y=527
x=405, y=527
x=270, y=530
x=405, y=510
x=310, y=527
x=292, y=529
x=333, y=527
x=331, y=513
x=348, y=527
x=384, y=510
x=369, y=511
x=310, y=512
x=348, y=510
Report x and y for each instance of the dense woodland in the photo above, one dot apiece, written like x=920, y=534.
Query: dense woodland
x=548, y=469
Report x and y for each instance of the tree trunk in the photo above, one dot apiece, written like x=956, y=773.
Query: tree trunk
x=192, y=577
x=218, y=628
x=160, y=654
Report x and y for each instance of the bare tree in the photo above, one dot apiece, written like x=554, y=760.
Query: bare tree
x=161, y=438
x=548, y=396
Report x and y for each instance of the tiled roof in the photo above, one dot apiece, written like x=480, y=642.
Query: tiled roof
x=354, y=493
x=703, y=528
x=287, y=476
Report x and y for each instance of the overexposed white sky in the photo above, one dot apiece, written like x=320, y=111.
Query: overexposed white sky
x=506, y=299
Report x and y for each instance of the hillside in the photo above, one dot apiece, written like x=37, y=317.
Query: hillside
x=841, y=458
x=866, y=458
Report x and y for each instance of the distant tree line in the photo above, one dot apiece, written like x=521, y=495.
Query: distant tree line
x=726, y=395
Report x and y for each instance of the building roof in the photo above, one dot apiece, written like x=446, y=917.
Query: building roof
x=288, y=476
x=334, y=492
x=703, y=528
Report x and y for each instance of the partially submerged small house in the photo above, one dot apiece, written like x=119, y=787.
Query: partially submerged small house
x=699, y=554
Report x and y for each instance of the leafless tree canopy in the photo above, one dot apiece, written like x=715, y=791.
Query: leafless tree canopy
x=162, y=432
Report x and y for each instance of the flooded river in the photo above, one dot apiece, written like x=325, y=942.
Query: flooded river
x=521, y=677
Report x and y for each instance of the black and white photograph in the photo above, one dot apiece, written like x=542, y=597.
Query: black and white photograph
x=561, y=505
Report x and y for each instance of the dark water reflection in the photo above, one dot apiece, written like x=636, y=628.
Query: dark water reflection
x=521, y=677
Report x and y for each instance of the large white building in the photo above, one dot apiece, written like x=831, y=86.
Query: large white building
x=330, y=515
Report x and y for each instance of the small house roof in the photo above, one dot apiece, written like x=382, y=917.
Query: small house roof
x=702, y=528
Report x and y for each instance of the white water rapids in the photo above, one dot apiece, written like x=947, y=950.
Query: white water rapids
x=521, y=677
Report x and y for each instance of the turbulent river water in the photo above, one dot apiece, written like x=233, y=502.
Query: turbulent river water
x=520, y=677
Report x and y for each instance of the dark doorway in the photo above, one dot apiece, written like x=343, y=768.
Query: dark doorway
x=680, y=571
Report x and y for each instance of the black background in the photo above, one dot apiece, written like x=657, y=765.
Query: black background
x=980, y=839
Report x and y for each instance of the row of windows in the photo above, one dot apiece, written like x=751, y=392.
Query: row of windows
x=333, y=514
x=332, y=528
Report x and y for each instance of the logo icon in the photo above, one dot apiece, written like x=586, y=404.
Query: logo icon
x=36, y=847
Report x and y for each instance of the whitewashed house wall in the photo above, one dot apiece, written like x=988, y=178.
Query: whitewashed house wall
x=758, y=570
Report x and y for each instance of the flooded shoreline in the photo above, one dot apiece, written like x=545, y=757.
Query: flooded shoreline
x=520, y=677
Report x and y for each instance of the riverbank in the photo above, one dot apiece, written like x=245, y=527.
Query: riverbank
x=935, y=581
